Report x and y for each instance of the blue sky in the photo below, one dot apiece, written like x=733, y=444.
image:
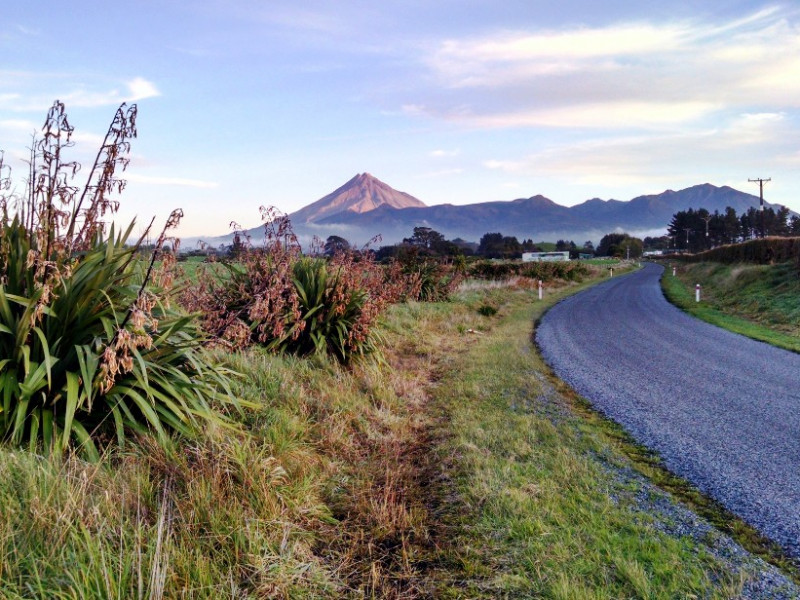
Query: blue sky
x=245, y=103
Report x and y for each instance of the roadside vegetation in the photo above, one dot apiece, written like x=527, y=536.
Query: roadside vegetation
x=759, y=301
x=537, y=507
x=452, y=468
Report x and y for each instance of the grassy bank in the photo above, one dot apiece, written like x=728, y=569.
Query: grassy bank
x=759, y=301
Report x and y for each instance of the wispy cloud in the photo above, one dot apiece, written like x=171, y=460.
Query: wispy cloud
x=80, y=96
x=647, y=159
x=445, y=153
x=175, y=181
x=620, y=75
x=443, y=173
x=29, y=31
x=617, y=114
x=18, y=125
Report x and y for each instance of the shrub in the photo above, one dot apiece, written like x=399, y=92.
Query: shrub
x=89, y=350
x=424, y=278
x=336, y=310
x=275, y=297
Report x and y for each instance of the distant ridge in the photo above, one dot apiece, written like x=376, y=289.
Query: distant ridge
x=365, y=207
x=363, y=193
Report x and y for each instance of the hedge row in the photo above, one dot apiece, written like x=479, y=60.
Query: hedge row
x=545, y=271
x=762, y=251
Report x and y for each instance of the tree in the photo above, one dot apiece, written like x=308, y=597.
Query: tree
x=491, y=245
x=795, y=225
x=335, y=244
x=688, y=228
x=609, y=244
x=731, y=231
x=511, y=247
x=529, y=246
x=427, y=238
x=698, y=230
x=656, y=243
x=630, y=247
x=782, y=225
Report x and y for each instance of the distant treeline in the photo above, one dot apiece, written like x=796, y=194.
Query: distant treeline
x=699, y=230
x=429, y=242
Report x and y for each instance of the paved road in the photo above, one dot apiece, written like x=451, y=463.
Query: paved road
x=722, y=410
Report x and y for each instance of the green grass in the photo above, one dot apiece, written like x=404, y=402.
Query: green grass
x=759, y=301
x=538, y=512
x=224, y=516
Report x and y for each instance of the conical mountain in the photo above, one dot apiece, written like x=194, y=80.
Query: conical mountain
x=363, y=193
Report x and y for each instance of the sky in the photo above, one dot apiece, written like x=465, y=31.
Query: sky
x=244, y=103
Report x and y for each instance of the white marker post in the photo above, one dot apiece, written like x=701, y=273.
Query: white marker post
x=673, y=271
x=697, y=293
x=610, y=271
x=540, y=289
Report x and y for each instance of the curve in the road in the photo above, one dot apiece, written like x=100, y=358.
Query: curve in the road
x=722, y=410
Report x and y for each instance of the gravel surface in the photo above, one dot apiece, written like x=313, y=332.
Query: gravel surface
x=723, y=411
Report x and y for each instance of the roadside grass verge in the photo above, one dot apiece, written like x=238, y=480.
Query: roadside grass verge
x=535, y=508
x=758, y=301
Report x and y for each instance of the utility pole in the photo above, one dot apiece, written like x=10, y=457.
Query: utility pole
x=707, y=220
x=761, y=183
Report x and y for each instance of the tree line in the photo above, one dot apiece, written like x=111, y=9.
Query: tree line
x=427, y=241
x=698, y=230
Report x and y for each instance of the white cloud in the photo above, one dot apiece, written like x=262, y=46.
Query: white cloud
x=139, y=89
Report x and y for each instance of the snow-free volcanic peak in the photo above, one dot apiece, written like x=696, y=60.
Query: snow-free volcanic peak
x=363, y=193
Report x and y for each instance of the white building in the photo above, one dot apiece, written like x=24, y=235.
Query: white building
x=545, y=256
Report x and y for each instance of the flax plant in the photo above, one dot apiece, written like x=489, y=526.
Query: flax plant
x=89, y=348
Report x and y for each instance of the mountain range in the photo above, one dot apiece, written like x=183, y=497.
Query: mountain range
x=365, y=207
